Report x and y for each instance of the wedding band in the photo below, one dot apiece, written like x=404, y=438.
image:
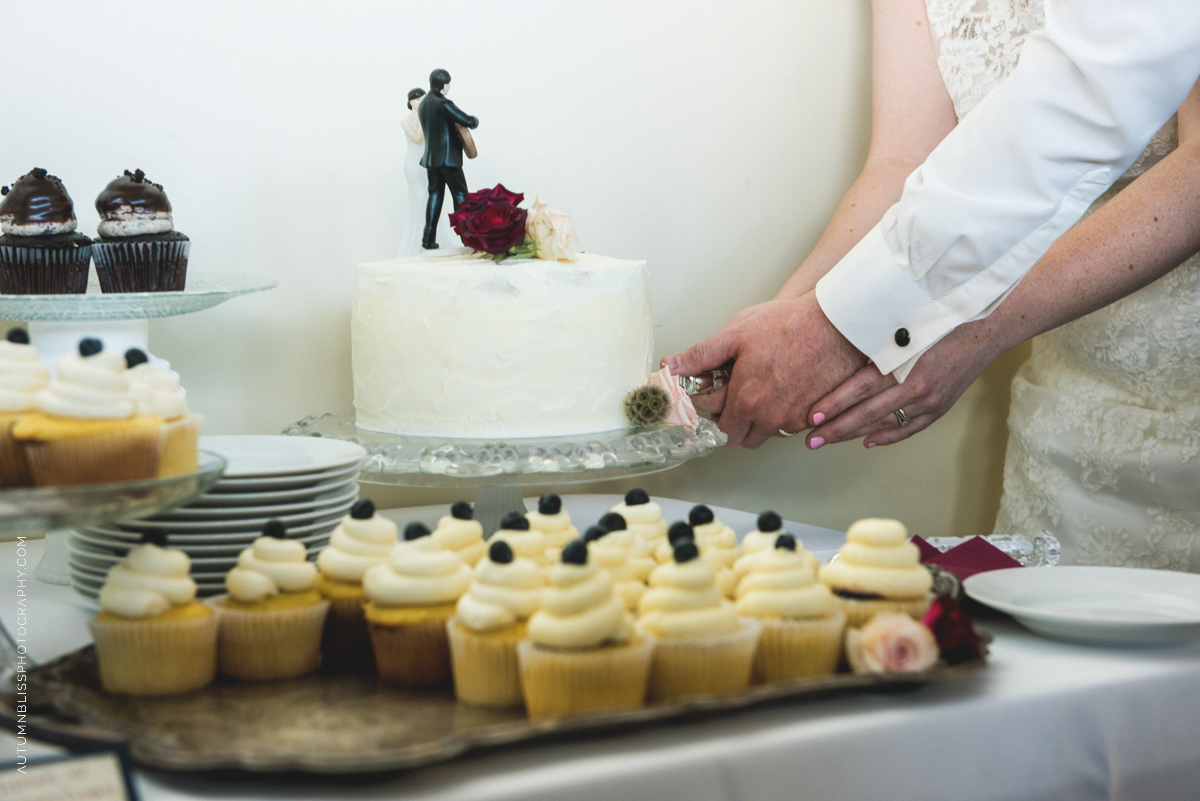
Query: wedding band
x=783, y=433
x=901, y=417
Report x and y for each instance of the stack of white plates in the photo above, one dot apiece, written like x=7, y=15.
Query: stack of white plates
x=307, y=483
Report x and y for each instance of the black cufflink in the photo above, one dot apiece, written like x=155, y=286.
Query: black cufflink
x=902, y=337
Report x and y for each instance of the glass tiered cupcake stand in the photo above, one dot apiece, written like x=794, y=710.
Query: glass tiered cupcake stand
x=34, y=512
x=499, y=469
x=121, y=320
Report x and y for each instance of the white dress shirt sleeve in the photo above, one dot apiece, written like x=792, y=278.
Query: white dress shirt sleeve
x=1020, y=169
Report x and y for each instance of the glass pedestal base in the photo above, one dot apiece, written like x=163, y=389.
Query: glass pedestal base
x=499, y=468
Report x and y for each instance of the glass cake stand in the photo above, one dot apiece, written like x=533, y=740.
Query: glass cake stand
x=38, y=511
x=498, y=469
x=119, y=319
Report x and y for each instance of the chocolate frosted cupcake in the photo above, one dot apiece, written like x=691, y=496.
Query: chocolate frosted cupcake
x=40, y=253
x=139, y=249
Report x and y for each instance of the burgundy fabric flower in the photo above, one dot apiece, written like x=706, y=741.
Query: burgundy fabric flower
x=953, y=630
x=489, y=220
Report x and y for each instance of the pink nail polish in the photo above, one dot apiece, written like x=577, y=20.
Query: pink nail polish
x=674, y=363
x=816, y=442
x=871, y=444
x=818, y=418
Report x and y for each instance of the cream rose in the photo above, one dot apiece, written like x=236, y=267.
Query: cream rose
x=552, y=232
x=891, y=643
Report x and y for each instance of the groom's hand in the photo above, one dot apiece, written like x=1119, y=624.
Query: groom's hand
x=787, y=355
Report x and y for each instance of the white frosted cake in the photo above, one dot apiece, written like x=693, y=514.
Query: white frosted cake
x=459, y=346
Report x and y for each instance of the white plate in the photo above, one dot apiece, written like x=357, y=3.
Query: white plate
x=230, y=499
x=88, y=558
x=282, y=482
x=296, y=524
x=192, y=515
x=245, y=524
x=225, y=543
x=1102, y=605
x=279, y=455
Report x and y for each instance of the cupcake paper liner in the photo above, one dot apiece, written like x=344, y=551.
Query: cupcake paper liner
x=859, y=611
x=796, y=649
x=486, y=672
x=416, y=655
x=142, y=265
x=130, y=454
x=179, y=454
x=704, y=666
x=155, y=657
x=346, y=644
x=14, y=467
x=269, y=645
x=559, y=682
x=44, y=271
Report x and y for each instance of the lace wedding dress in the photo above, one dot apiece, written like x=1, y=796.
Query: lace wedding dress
x=1104, y=429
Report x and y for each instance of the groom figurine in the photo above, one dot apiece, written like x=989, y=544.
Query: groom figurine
x=443, y=151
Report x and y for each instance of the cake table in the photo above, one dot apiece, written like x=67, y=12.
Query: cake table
x=498, y=469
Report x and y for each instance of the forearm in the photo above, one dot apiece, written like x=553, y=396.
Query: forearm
x=1087, y=94
x=875, y=190
x=1134, y=239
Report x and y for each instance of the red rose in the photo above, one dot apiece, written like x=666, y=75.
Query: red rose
x=953, y=630
x=489, y=220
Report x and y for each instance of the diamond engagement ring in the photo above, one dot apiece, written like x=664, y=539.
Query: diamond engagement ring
x=901, y=417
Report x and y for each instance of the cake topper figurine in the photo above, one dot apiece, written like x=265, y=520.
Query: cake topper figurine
x=442, y=123
x=415, y=176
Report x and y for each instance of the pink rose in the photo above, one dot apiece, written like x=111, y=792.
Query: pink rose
x=683, y=413
x=891, y=643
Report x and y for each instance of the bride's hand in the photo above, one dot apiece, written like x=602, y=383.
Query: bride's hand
x=864, y=406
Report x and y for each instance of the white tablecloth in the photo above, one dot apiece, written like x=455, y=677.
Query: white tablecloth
x=1046, y=720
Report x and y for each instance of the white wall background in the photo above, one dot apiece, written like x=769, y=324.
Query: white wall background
x=712, y=139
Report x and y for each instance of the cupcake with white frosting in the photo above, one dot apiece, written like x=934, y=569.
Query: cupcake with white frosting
x=490, y=620
x=719, y=548
x=607, y=552
x=152, y=636
x=878, y=570
x=157, y=393
x=637, y=550
x=526, y=541
x=764, y=537
x=272, y=616
x=643, y=517
x=21, y=376
x=554, y=522
x=802, y=625
x=582, y=653
x=704, y=647
x=718, y=545
x=410, y=596
x=460, y=532
x=360, y=541
x=86, y=427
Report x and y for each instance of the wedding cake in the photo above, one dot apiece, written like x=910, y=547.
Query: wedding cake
x=460, y=345
x=514, y=336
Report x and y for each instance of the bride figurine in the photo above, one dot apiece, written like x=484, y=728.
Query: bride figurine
x=417, y=178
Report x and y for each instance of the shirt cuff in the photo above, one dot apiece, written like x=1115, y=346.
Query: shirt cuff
x=871, y=300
